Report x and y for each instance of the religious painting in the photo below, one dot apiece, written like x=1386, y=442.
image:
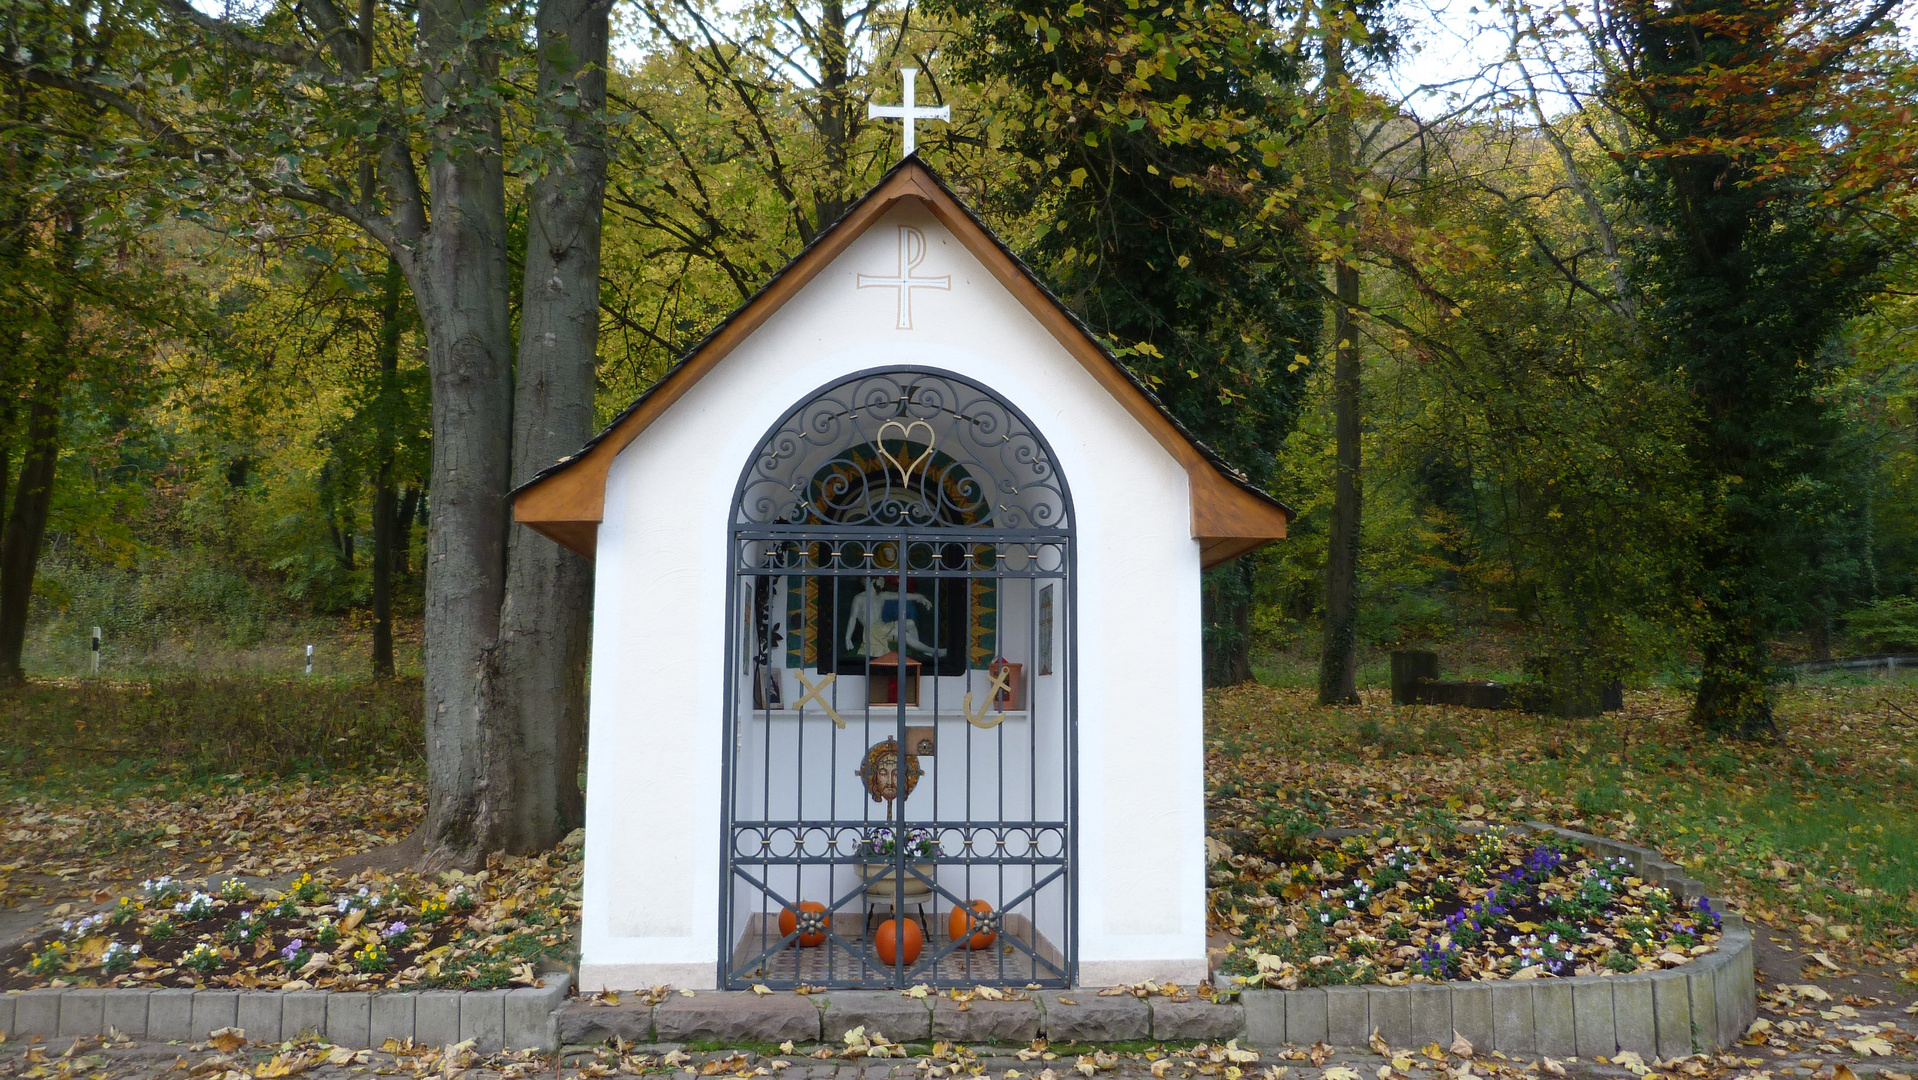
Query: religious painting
x=1045, y=630
x=949, y=624
x=765, y=639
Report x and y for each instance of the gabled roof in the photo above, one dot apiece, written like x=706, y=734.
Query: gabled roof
x=1230, y=515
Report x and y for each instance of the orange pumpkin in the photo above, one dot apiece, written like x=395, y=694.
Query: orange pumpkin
x=962, y=921
x=789, y=922
x=892, y=933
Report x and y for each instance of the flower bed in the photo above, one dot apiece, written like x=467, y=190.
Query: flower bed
x=1394, y=907
x=374, y=933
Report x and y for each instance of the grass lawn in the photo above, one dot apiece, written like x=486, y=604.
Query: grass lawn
x=103, y=784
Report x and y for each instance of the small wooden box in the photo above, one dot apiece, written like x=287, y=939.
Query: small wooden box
x=888, y=678
x=1014, y=695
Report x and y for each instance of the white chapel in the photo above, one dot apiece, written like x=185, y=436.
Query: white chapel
x=896, y=668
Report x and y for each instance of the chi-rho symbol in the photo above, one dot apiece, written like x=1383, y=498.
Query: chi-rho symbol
x=912, y=252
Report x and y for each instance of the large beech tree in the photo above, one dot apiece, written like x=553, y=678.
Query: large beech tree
x=1771, y=156
x=396, y=118
x=1145, y=144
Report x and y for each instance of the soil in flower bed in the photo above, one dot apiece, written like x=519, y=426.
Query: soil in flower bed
x=368, y=932
x=1394, y=906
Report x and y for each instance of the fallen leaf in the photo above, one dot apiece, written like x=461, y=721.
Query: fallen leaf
x=1461, y=1045
x=227, y=1039
x=281, y=1065
x=1552, y=1067
x=1872, y=1044
x=762, y=988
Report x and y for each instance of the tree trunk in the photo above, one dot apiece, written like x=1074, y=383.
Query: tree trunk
x=27, y=525
x=836, y=120
x=403, y=532
x=1734, y=688
x=1338, y=658
x=541, y=673
x=385, y=497
x=1228, y=623
x=460, y=280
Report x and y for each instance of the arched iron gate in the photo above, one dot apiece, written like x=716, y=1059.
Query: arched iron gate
x=900, y=698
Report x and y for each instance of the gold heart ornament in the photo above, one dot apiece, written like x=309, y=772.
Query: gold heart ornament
x=906, y=469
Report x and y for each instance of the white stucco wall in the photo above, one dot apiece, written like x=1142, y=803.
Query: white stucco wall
x=653, y=808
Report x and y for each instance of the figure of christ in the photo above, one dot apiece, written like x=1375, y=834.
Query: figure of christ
x=885, y=619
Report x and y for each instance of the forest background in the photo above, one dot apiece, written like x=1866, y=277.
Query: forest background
x=235, y=386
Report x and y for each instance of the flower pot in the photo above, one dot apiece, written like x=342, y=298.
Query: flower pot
x=874, y=871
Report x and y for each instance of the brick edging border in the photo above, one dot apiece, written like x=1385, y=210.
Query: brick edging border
x=494, y=1019
x=1704, y=1005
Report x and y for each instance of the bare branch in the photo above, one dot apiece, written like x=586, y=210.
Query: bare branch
x=234, y=36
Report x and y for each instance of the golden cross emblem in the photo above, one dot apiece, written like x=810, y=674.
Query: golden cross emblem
x=813, y=693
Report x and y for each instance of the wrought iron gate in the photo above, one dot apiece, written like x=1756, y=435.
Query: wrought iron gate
x=900, y=699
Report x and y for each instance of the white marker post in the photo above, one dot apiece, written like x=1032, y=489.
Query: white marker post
x=907, y=111
x=96, y=650
x=309, y=659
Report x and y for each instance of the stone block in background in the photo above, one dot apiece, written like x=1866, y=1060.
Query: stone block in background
x=1008, y=1023
x=483, y=1019
x=1552, y=1022
x=303, y=1012
x=773, y=1018
x=897, y=1017
x=1116, y=1018
x=436, y=1018
x=1208, y=1021
x=259, y=1015
x=1513, y=1032
x=1595, y=1027
x=349, y=1020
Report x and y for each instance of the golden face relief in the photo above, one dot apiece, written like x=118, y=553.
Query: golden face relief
x=880, y=772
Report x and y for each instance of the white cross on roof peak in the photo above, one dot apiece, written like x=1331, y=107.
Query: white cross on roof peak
x=907, y=111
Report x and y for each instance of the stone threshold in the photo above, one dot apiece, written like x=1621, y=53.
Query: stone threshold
x=494, y=1020
x=738, y=1017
